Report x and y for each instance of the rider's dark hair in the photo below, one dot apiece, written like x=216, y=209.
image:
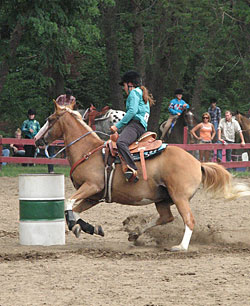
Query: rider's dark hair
x=178, y=91
x=68, y=92
x=132, y=77
x=31, y=112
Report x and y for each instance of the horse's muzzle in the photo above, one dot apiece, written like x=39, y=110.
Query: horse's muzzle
x=40, y=142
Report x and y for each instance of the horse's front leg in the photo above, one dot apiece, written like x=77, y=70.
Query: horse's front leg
x=73, y=220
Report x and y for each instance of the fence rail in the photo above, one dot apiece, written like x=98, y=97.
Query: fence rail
x=62, y=161
x=29, y=160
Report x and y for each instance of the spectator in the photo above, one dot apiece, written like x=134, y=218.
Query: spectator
x=41, y=153
x=5, y=153
x=215, y=114
x=207, y=133
x=227, y=129
x=18, y=149
x=176, y=108
x=30, y=128
x=66, y=99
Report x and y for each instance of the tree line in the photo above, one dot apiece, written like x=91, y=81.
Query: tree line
x=201, y=46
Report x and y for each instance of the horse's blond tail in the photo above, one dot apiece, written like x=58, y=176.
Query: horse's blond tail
x=217, y=180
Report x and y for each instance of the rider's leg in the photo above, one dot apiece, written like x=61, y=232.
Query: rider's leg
x=129, y=134
x=167, y=126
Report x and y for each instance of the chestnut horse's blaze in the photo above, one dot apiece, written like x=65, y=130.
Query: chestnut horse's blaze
x=173, y=178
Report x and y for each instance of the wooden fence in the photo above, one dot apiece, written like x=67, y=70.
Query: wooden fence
x=29, y=160
x=63, y=161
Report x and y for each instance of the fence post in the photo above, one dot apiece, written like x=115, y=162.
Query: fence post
x=1, y=150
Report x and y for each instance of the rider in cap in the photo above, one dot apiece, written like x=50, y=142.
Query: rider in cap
x=175, y=108
x=135, y=121
x=66, y=99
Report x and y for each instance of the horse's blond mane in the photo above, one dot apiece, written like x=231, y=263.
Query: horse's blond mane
x=78, y=117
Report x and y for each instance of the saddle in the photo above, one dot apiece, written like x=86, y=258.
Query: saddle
x=93, y=114
x=146, y=143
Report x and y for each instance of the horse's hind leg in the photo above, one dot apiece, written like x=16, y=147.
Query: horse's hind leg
x=188, y=219
x=165, y=216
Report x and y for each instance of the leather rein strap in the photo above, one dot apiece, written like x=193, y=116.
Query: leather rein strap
x=85, y=157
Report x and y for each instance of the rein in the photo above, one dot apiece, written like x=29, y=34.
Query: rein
x=70, y=144
x=85, y=157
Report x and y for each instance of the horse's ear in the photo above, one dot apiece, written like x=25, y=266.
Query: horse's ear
x=72, y=105
x=57, y=106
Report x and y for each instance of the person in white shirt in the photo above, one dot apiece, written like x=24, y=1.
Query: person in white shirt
x=228, y=127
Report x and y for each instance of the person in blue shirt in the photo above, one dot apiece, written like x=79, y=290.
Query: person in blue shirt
x=175, y=108
x=30, y=128
x=135, y=121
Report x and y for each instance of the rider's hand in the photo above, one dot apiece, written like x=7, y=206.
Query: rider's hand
x=178, y=114
x=243, y=144
x=184, y=105
x=113, y=129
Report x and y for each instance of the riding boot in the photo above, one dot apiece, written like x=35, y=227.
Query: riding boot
x=129, y=173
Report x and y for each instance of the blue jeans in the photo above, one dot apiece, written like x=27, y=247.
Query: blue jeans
x=228, y=153
x=5, y=153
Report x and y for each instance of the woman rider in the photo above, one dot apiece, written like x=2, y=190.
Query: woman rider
x=135, y=121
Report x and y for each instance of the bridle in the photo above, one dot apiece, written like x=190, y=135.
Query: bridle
x=190, y=122
x=71, y=143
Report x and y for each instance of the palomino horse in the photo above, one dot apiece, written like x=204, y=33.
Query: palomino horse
x=188, y=119
x=173, y=177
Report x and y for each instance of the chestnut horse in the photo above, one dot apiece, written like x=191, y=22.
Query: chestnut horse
x=244, y=122
x=188, y=119
x=173, y=177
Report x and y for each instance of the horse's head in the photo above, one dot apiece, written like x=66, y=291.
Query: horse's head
x=189, y=118
x=52, y=129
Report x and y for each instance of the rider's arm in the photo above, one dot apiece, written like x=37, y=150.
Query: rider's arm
x=132, y=105
x=172, y=109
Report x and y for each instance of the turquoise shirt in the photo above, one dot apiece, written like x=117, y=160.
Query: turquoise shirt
x=136, y=109
x=30, y=124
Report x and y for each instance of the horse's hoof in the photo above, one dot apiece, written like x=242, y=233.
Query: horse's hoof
x=133, y=236
x=98, y=230
x=178, y=248
x=76, y=230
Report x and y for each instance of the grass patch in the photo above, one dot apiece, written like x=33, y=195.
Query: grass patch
x=240, y=174
x=13, y=170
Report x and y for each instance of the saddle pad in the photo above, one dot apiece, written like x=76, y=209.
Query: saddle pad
x=147, y=154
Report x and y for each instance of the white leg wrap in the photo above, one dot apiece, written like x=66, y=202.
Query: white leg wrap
x=68, y=205
x=76, y=215
x=186, y=238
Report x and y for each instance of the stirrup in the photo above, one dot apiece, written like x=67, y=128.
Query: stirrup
x=131, y=176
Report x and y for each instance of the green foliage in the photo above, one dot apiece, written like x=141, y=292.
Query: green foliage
x=62, y=46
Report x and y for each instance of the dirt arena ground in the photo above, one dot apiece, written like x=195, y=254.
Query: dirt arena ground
x=111, y=270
